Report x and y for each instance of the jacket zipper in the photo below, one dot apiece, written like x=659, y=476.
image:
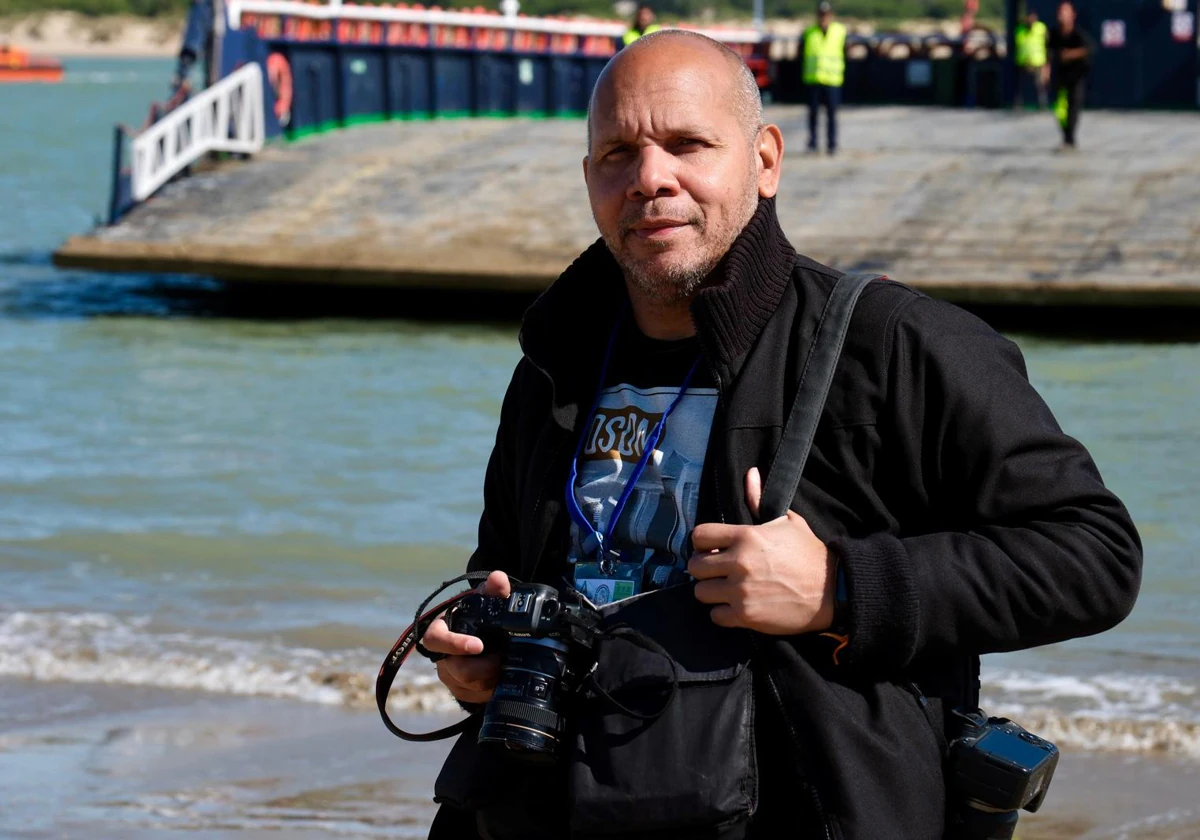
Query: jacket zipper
x=826, y=826
x=716, y=471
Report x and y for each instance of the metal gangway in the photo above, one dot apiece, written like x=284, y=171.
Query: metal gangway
x=228, y=116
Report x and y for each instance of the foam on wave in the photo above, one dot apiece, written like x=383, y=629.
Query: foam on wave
x=1080, y=730
x=1143, y=713
x=103, y=648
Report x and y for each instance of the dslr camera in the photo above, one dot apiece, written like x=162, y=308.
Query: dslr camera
x=995, y=770
x=547, y=641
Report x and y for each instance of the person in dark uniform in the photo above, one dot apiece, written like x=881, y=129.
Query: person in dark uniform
x=197, y=46
x=1073, y=50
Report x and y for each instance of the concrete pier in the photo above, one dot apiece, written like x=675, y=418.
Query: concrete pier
x=974, y=206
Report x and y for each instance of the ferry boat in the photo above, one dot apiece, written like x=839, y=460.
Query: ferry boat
x=19, y=66
x=291, y=68
x=337, y=63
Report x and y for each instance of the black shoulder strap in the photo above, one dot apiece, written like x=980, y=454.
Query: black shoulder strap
x=784, y=475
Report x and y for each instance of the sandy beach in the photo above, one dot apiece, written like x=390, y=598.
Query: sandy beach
x=66, y=34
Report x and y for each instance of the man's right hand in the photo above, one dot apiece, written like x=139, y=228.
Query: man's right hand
x=470, y=677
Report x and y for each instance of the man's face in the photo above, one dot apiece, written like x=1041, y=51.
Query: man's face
x=672, y=172
x=645, y=17
x=825, y=18
x=1066, y=15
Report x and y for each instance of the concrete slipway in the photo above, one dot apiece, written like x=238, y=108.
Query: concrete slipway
x=974, y=206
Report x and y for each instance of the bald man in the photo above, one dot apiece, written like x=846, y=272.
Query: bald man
x=943, y=513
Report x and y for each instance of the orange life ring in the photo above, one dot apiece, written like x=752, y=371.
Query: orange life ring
x=279, y=75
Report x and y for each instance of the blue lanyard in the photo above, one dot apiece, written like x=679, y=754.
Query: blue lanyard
x=603, y=550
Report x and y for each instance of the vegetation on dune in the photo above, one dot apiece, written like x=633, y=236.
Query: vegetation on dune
x=95, y=8
x=862, y=9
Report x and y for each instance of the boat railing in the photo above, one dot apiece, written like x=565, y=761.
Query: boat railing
x=226, y=117
x=387, y=23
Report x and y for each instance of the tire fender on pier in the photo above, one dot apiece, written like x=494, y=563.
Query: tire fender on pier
x=279, y=75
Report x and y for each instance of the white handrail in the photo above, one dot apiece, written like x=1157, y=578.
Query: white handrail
x=226, y=117
x=335, y=10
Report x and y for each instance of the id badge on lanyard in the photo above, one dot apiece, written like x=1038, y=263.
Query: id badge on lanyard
x=602, y=575
x=604, y=583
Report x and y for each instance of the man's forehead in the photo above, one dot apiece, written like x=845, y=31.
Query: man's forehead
x=670, y=60
x=662, y=91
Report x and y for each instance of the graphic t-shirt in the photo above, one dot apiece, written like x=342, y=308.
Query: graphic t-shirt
x=653, y=536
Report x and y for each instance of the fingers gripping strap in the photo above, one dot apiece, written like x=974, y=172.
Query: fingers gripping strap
x=405, y=645
x=784, y=475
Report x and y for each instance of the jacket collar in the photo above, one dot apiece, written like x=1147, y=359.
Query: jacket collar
x=565, y=331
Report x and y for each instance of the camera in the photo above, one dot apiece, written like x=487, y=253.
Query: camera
x=547, y=640
x=995, y=769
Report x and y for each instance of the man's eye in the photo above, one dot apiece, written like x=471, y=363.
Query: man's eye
x=617, y=152
x=688, y=144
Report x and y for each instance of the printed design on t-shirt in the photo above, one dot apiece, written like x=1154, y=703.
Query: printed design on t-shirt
x=657, y=521
x=619, y=433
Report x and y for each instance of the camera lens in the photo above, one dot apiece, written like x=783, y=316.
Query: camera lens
x=523, y=715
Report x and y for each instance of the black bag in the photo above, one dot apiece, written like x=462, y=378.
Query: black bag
x=664, y=740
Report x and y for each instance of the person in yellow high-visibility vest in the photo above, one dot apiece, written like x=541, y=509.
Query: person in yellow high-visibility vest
x=824, y=73
x=643, y=24
x=1032, y=56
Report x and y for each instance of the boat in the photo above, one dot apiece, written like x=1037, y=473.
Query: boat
x=19, y=66
x=289, y=69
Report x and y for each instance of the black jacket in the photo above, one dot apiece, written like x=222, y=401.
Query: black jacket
x=966, y=520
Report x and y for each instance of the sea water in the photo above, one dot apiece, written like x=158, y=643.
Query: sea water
x=203, y=508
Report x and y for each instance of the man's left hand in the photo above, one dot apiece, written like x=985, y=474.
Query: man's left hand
x=775, y=578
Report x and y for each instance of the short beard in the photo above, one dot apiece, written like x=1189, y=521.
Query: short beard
x=678, y=284
x=672, y=285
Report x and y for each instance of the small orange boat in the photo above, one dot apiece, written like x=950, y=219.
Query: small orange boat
x=19, y=66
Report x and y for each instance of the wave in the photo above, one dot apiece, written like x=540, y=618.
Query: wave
x=1121, y=712
x=44, y=258
x=120, y=650
x=1112, y=693
x=1118, y=712
x=107, y=77
x=1083, y=731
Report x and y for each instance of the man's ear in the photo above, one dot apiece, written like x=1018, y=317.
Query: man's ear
x=769, y=153
x=585, y=168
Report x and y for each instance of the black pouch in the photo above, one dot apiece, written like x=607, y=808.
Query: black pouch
x=683, y=765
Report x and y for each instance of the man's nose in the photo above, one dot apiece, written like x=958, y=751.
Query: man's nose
x=653, y=175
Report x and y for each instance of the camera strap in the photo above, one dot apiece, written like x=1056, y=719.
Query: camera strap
x=783, y=477
x=410, y=640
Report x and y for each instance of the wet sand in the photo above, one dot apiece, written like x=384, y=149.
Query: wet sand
x=114, y=762
x=1109, y=796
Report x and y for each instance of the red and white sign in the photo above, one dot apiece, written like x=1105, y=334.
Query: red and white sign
x=1183, y=26
x=1112, y=33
